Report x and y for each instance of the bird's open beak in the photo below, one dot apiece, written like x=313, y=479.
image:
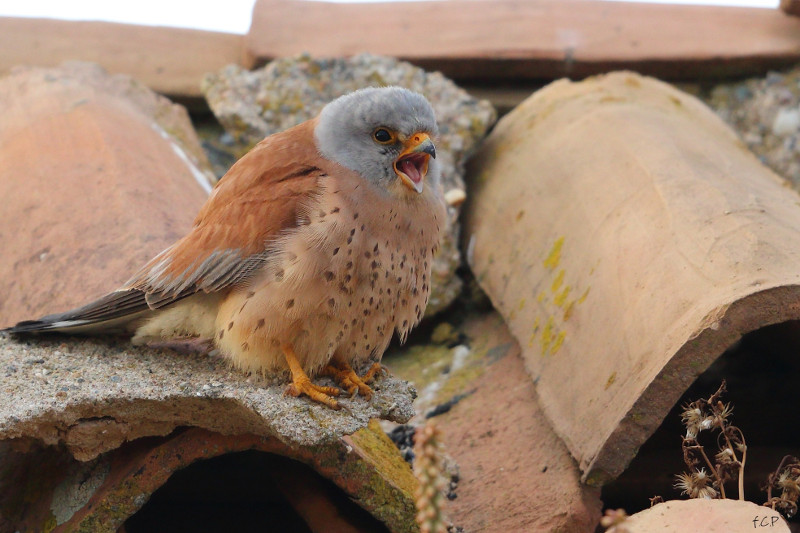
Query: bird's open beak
x=412, y=164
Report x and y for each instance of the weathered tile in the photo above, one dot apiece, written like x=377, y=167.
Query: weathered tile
x=99, y=175
x=629, y=238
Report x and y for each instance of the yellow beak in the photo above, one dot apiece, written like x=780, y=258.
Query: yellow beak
x=412, y=163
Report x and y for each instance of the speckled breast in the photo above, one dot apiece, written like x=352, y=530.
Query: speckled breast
x=357, y=269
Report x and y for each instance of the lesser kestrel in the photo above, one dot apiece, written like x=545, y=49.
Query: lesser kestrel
x=311, y=251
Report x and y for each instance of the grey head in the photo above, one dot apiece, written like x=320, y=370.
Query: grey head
x=383, y=134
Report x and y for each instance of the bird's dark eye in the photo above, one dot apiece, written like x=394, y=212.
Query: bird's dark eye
x=383, y=136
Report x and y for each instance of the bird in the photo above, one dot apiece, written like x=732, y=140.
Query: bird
x=309, y=254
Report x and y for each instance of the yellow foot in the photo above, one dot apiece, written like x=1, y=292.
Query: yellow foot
x=302, y=385
x=347, y=378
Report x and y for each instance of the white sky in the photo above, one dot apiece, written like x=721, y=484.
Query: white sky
x=229, y=15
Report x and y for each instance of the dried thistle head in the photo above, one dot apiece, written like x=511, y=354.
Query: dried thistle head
x=711, y=414
x=786, y=478
x=698, y=484
x=721, y=412
x=695, y=419
x=725, y=456
x=787, y=508
x=789, y=484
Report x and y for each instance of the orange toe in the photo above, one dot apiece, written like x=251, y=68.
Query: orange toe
x=347, y=378
x=302, y=385
x=373, y=371
x=317, y=393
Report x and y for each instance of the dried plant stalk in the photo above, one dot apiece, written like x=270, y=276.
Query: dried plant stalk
x=429, y=469
x=711, y=415
x=785, y=479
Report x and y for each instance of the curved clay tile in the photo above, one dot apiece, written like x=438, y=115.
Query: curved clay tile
x=629, y=238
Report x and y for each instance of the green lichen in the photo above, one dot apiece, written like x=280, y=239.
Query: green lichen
x=433, y=364
x=473, y=366
x=112, y=511
x=460, y=382
x=387, y=483
x=420, y=364
x=385, y=456
x=597, y=478
x=444, y=333
x=49, y=524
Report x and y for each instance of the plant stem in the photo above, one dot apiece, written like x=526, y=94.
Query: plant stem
x=741, y=474
x=713, y=471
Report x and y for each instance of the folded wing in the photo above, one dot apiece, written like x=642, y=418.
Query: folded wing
x=258, y=200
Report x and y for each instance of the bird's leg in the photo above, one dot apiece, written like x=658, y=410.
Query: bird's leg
x=340, y=370
x=301, y=384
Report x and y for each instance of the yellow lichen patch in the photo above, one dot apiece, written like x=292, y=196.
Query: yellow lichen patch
x=554, y=257
x=552, y=338
x=541, y=297
x=584, y=295
x=568, y=309
x=521, y=305
x=611, y=379
x=561, y=297
x=547, y=336
x=559, y=279
x=558, y=341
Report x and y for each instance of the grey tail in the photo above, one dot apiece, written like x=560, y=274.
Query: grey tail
x=113, y=313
